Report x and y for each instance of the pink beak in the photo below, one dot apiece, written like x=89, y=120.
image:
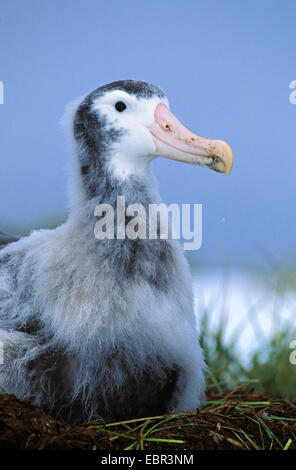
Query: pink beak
x=174, y=141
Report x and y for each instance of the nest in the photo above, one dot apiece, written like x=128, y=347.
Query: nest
x=235, y=420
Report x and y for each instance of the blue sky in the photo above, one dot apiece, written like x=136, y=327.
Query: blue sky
x=226, y=67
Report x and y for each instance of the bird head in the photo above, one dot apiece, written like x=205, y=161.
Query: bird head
x=122, y=126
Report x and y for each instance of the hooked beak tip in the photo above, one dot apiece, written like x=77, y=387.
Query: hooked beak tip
x=225, y=156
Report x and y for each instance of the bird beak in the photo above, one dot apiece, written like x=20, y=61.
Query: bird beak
x=174, y=141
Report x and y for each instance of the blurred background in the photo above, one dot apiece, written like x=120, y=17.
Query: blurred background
x=226, y=67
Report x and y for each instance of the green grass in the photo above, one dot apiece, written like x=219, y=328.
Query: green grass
x=229, y=422
x=269, y=369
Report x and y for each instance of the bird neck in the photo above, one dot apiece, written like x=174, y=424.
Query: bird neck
x=128, y=259
x=111, y=188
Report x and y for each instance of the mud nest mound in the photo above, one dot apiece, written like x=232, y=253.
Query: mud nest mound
x=235, y=420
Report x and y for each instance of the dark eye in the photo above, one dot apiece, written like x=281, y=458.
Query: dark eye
x=120, y=106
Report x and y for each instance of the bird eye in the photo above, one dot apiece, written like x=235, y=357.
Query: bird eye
x=120, y=106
